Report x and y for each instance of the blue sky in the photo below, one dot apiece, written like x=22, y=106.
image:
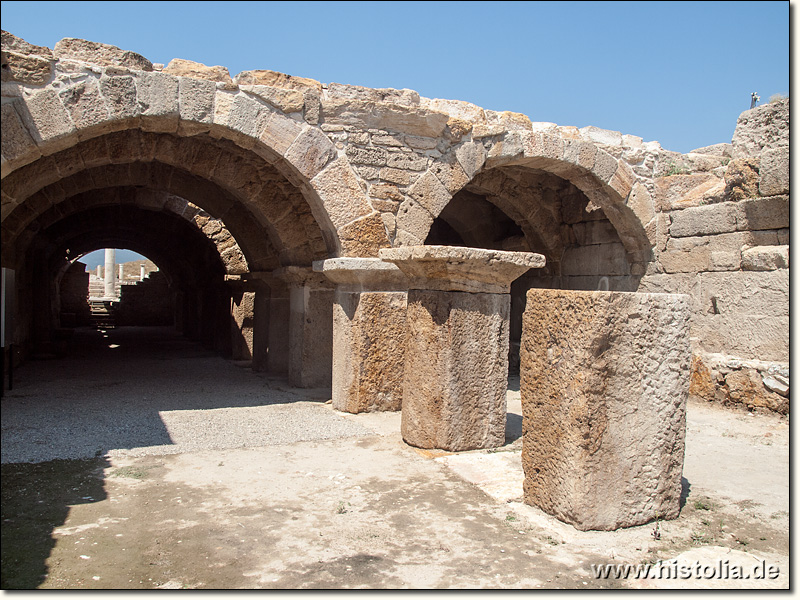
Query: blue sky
x=676, y=72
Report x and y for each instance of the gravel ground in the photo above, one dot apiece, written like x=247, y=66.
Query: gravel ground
x=153, y=392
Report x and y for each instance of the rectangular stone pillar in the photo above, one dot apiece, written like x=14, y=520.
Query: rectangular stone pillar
x=242, y=320
x=456, y=363
x=369, y=329
x=310, y=326
x=604, y=382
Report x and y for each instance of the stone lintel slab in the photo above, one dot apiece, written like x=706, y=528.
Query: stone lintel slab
x=457, y=269
x=604, y=382
x=362, y=274
x=454, y=384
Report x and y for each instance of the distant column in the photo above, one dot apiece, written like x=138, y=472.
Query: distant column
x=109, y=273
x=99, y=272
x=141, y=272
x=121, y=274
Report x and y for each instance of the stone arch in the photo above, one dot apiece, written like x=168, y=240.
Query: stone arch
x=88, y=102
x=606, y=182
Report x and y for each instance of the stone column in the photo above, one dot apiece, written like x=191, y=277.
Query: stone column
x=99, y=272
x=108, y=273
x=121, y=273
x=265, y=350
x=604, y=382
x=141, y=272
x=369, y=329
x=454, y=385
x=310, y=326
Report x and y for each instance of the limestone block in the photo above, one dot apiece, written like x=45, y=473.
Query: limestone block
x=763, y=213
x=471, y=157
x=774, y=171
x=704, y=220
x=84, y=103
x=641, y=203
x=367, y=156
x=371, y=114
x=605, y=377
x=369, y=330
x=456, y=369
x=449, y=172
x=766, y=126
x=276, y=79
x=776, y=383
x=413, y=223
x=602, y=259
x=196, y=99
x=765, y=258
x=341, y=193
x=287, y=101
x=595, y=232
x=11, y=43
x=747, y=293
x=451, y=268
x=242, y=314
x=310, y=152
x=677, y=192
x=157, y=94
x=100, y=54
x=195, y=70
x=430, y=193
x=279, y=132
x=24, y=68
x=745, y=335
x=119, y=93
x=16, y=140
x=741, y=178
x=364, y=237
x=746, y=387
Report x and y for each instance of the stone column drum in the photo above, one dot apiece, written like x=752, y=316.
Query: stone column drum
x=369, y=329
x=454, y=385
x=604, y=383
x=310, y=326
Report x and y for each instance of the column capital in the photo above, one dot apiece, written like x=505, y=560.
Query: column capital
x=458, y=269
x=362, y=274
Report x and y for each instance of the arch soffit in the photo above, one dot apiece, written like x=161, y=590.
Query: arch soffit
x=107, y=100
x=152, y=204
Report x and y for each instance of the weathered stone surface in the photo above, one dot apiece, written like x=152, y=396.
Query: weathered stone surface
x=602, y=259
x=702, y=384
x=383, y=115
x=766, y=126
x=763, y=213
x=180, y=67
x=683, y=191
x=364, y=237
x=450, y=268
x=741, y=179
x=310, y=152
x=242, y=312
x=774, y=171
x=746, y=335
x=605, y=377
x=100, y=54
x=85, y=104
x=16, y=140
x=704, y=220
x=765, y=258
x=456, y=369
x=336, y=183
x=362, y=274
x=369, y=330
x=776, y=384
x=748, y=293
x=746, y=387
x=25, y=68
x=196, y=99
x=288, y=101
x=11, y=43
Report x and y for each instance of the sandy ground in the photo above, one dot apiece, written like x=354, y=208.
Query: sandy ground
x=233, y=480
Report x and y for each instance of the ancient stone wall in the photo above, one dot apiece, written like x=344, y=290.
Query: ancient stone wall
x=279, y=171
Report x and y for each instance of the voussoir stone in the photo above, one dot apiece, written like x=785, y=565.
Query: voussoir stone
x=604, y=382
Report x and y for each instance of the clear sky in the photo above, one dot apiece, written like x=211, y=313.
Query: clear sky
x=676, y=72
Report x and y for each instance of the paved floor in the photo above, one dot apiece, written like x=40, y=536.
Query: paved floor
x=203, y=474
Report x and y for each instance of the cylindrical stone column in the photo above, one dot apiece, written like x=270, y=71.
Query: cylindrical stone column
x=141, y=272
x=108, y=272
x=604, y=382
x=99, y=272
x=456, y=363
x=121, y=273
x=369, y=329
x=310, y=326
